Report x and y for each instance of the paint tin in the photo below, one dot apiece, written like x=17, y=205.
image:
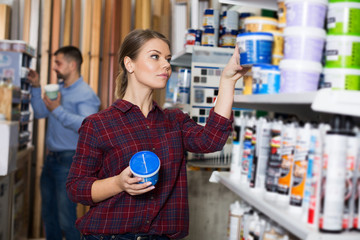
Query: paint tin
x=343, y=52
x=211, y=18
x=303, y=43
x=260, y=24
x=255, y=48
x=306, y=13
x=190, y=37
x=269, y=79
x=341, y=18
x=342, y=78
x=209, y=37
x=299, y=76
x=145, y=164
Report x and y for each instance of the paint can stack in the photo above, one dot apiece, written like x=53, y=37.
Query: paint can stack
x=304, y=37
x=342, y=61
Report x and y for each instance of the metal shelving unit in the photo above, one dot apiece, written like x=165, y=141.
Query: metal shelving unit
x=278, y=213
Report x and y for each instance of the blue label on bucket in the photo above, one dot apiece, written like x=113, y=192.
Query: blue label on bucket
x=256, y=52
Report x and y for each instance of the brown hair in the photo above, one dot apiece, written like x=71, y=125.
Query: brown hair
x=131, y=47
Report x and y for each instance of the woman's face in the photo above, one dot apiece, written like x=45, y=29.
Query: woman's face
x=152, y=66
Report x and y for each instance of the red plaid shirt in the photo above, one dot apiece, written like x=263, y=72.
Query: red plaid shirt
x=109, y=139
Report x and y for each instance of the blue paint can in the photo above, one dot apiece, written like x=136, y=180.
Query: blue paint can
x=145, y=164
x=255, y=48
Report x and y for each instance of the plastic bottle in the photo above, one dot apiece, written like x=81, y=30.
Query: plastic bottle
x=274, y=162
x=235, y=218
x=334, y=175
x=247, y=149
x=356, y=212
x=314, y=204
x=351, y=155
x=254, y=228
x=235, y=167
x=287, y=159
x=299, y=169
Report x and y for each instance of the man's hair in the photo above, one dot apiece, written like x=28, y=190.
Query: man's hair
x=71, y=53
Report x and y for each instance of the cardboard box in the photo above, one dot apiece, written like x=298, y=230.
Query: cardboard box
x=8, y=146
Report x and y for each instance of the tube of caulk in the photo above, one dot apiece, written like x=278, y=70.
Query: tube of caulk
x=299, y=169
x=235, y=217
x=351, y=155
x=287, y=159
x=274, y=162
x=263, y=150
x=334, y=175
x=315, y=184
x=253, y=166
x=247, y=149
x=235, y=167
x=356, y=215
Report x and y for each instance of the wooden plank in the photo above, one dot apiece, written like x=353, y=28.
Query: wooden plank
x=86, y=41
x=117, y=25
x=76, y=23
x=67, y=23
x=5, y=12
x=40, y=141
x=105, y=67
x=95, y=45
x=26, y=21
x=125, y=15
x=138, y=14
x=55, y=36
x=146, y=14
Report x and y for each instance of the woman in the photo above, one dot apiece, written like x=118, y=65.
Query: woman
x=121, y=207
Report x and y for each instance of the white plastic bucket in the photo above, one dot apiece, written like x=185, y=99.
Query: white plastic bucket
x=302, y=43
x=341, y=18
x=342, y=78
x=299, y=76
x=306, y=13
x=342, y=52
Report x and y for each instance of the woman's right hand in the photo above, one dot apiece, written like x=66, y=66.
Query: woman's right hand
x=130, y=184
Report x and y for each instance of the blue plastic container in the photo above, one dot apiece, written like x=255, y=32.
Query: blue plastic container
x=145, y=164
x=255, y=48
x=269, y=79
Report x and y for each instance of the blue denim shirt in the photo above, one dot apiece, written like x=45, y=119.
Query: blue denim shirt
x=77, y=102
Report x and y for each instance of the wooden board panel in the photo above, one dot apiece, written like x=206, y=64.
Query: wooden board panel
x=146, y=14
x=138, y=14
x=86, y=40
x=95, y=45
x=105, y=67
x=26, y=21
x=75, y=41
x=67, y=23
x=40, y=141
x=55, y=36
x=126, y=13
x=5, y=12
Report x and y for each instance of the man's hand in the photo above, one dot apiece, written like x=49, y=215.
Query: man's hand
x=33, y=78
x=52, y=104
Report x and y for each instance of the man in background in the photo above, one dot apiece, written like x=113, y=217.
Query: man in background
x=75, y=101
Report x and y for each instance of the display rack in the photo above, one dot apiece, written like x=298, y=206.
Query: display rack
x=265, y=4
x=278, y=213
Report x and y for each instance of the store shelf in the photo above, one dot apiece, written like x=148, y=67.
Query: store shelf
x=337, y=102
x=290, y=103
x=183, y=58
x=207, y=164
x=264, y=4
x=278, y=213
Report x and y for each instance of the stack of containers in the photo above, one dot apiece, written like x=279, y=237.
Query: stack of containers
x=305, y=37
x=342, y=63
x=257, y=46
x=229, y=24
x=210, y=35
